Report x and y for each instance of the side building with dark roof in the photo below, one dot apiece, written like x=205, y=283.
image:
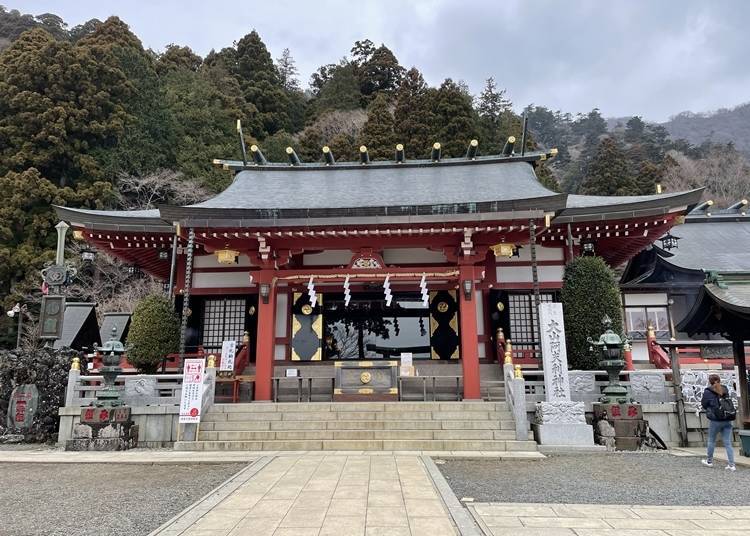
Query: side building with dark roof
x=661, y=284
x=303, y=258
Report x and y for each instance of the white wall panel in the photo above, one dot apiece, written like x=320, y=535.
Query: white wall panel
x=333, y=257
x=282, y=301
x=522, y=274
x=221, y=280
x=412, y=256
x=642, y=298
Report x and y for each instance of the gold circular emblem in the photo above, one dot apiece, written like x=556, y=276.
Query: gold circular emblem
x=500, y=306
x=251, y=310
x=365, y=377
x=306, y=309
x=442, y=307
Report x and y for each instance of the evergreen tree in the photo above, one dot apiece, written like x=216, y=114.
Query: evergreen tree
x=492, y=102
x=177, y=57
x=148, y=141
x=377, y=71
x=262, y=85
x=634, y=129
x=378, y=134
x=608, y=174
x=648, y=176
x=413, y=115
x=288, y=71
x=454, y=121
x=591, y=125
x=59, y=103
x=589, y=292
x=338, y=89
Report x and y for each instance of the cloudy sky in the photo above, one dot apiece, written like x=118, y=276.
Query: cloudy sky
x=653, y=58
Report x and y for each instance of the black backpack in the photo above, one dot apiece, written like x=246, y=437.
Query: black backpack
x=726, y=410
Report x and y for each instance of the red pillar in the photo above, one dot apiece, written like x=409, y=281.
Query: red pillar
x=265, y=337
x=469, y=351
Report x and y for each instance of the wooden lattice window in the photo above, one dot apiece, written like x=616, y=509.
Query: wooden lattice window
x=523, y=319
x=223, y=320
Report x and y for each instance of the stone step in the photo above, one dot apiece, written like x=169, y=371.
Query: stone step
x=213, y=416
x=505, y=424
x=360, y=445
x=357, y=435
x=265, y=407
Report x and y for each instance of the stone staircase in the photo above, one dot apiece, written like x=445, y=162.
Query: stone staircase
x=426, y=426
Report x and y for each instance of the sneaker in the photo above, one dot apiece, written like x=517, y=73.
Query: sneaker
x=707, y=463
x=730, y=468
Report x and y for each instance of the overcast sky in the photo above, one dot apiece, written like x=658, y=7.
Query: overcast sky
x=653, y=58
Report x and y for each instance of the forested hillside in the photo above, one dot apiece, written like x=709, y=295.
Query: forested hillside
x=90, y=118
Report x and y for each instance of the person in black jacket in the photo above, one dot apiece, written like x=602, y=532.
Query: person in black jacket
x=718, y=423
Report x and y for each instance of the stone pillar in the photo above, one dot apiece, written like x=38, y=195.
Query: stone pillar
x=468, y=330
x=558, y=420
x=266, y=337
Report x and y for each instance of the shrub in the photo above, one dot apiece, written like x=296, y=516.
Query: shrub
x=589, y=292
x=154, y=333
x=48, y=370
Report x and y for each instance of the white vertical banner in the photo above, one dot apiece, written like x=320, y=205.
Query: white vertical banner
x=228, y=351
x=191, y=401
x=554, y=352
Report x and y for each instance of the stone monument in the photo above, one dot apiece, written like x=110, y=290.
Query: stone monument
x=558, y=420
x=24, y=401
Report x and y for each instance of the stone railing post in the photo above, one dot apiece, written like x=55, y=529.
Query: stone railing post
x=515, y=392
x=74, y=376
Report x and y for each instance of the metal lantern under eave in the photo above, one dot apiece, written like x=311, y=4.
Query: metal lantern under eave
x=669, y=241
x=610, y=346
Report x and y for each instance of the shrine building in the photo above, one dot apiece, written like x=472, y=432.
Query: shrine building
x=332, y=262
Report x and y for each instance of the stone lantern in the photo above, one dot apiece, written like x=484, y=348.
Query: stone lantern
x=610, y=346
x=111, y=352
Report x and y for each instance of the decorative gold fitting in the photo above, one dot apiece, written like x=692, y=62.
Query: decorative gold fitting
x=76, y=364
x=503, y=250
x=77, y=234
x=246, y=338
x=511, y=139
x=517, y=372
x=508, y=352
x=553, y=151
x=211, y=361
x=650, y=331
x=626, y=346
x=658, y=187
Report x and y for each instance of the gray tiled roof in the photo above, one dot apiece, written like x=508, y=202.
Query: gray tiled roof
x=710, y=245
x=363, y=186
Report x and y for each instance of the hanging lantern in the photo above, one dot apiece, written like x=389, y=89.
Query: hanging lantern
x=669, y=241
x=503, y=249
x=227, y=256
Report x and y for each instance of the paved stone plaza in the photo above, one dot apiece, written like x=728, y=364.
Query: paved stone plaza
x=327, y=495
x=530, y=519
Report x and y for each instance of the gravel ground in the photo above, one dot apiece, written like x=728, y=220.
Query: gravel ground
x=615, y=478
x=100, y=499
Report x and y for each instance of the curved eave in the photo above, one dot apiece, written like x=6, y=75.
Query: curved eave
x=636, y=208
x=114, y=220
x=703, y=318
x=457, y=212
